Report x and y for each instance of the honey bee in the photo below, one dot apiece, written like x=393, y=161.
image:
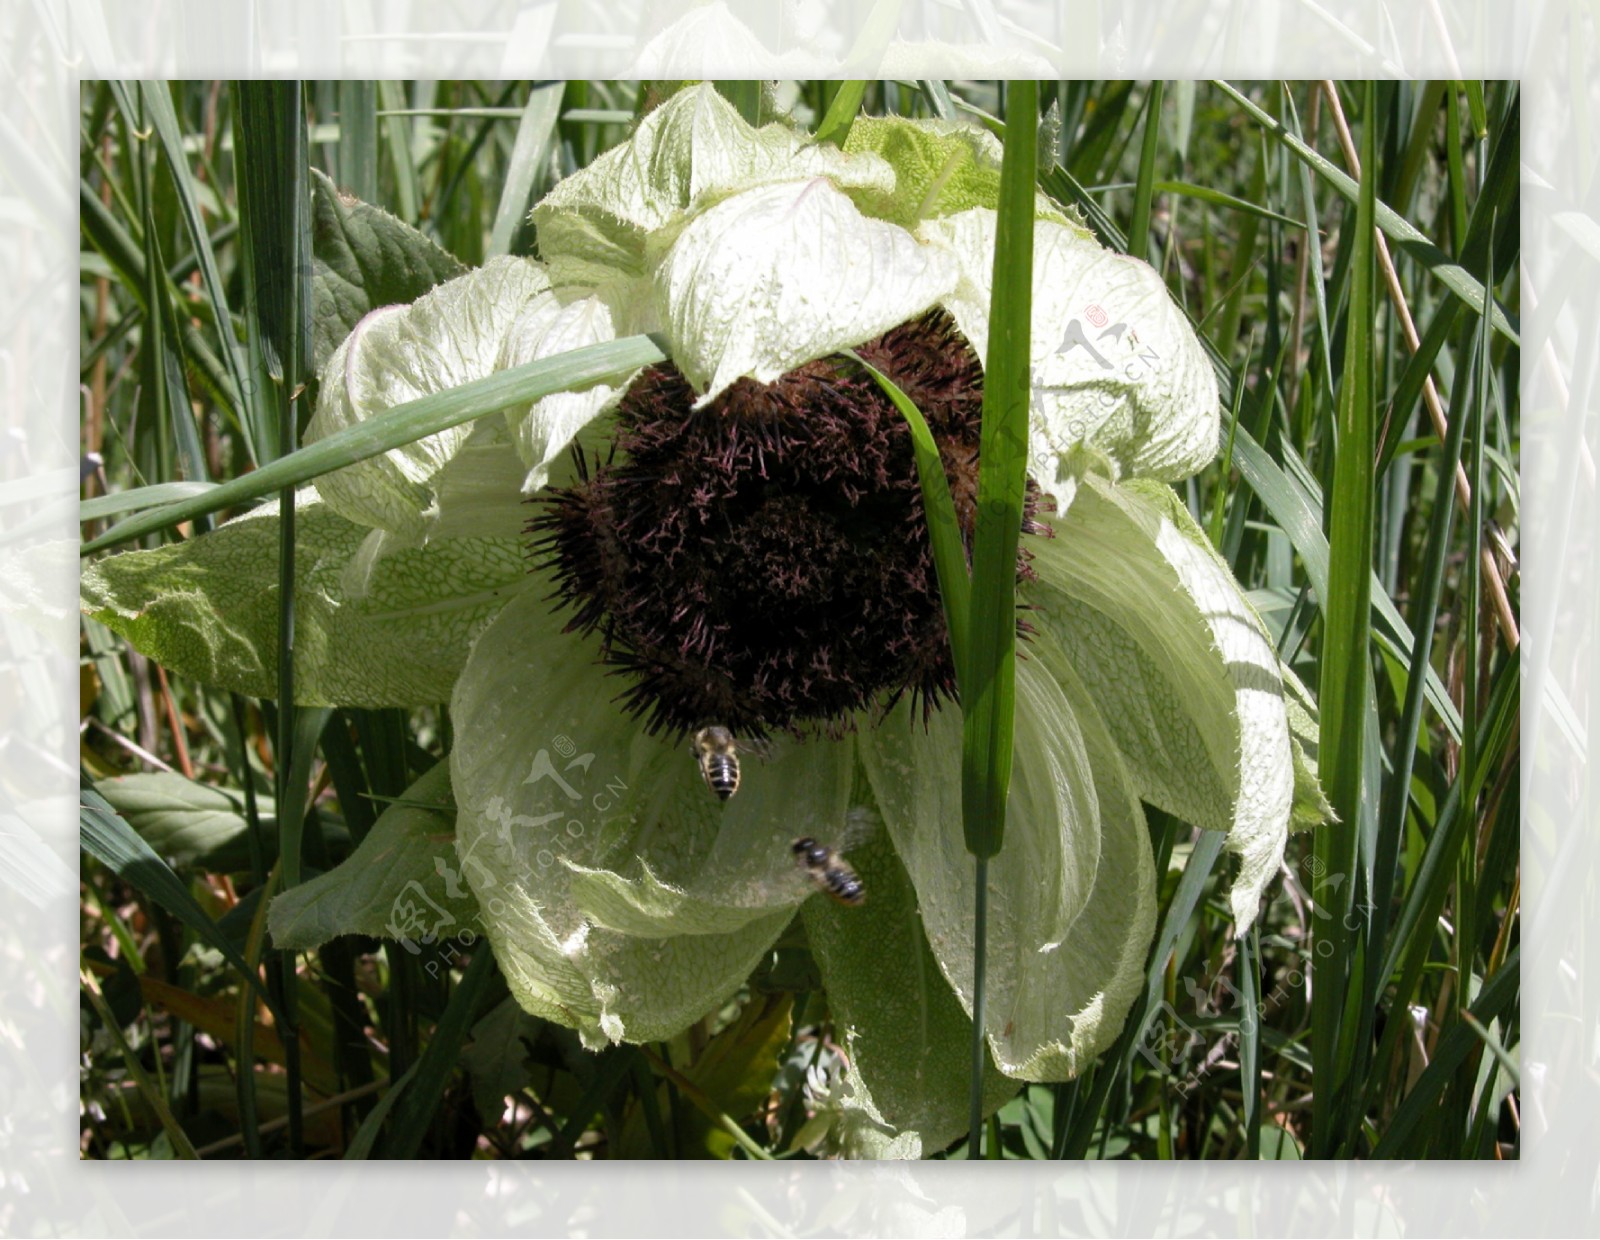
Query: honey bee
x=716, y=751
x=828, y=871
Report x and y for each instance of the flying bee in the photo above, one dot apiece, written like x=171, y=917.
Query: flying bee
x=716, y=751
x=828, y=871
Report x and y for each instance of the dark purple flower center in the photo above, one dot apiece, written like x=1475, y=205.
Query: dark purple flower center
x=763, y=562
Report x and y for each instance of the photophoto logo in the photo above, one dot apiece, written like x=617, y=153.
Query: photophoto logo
x=421, y=919
x=1171, y=1038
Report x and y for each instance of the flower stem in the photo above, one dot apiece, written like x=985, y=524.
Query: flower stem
x=980, y=936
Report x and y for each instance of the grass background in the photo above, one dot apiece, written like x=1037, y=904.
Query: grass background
x=1401, y=1041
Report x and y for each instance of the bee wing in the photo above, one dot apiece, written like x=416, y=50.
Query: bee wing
x=758, y=746
x=861, y=823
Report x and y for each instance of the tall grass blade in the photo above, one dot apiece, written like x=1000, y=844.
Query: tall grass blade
x=1346, y=662
x=158, y=109
x=1139, y=228
x=358, y=139
x=988, y=681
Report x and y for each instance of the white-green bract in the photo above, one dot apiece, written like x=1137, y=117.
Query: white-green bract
x=619, y=897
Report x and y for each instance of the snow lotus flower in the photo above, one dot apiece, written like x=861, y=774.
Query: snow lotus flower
x=737, y=537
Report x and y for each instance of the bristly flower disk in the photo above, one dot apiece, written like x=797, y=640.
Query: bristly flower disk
x=763, y=560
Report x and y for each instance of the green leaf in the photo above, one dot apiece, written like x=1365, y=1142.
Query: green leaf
x=189, y=823
x=363, y=258
x=207, y=608
x=781, y=274
x=401, y=883
x=691, y=152
x=736, y=1070
x=496, y=1056
x=940, y=168
x=988, y=679
x=1278, y=1143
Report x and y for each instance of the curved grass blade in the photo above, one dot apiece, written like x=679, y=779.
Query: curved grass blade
x=1216, y=198
x=944, y=532
x=367, y=1135
x=439, y=411
x=152, y=1094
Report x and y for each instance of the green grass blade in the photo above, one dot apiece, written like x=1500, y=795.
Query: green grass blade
x=944, y=531
x=1346, y=663
x=1115, y=1066
x=1069, y=192
x=159, y=111
x=1300, y=517
x=529, y=152
x=1144, y=186
x=140, y=498
x=841, y=114
x=1216, y=198
x=307, y=725
x=358, y=139
x=938, y=96
x=275, y=210
x=1406, y=236
x=403, y=424
x=1397, y=793
x=1317, y=282
x=1250, y=1038
x=988, y=677
x=361, y=1145
x=397, y=137
x=1002, y=487
x=745, y=95
x=123, y=253
x=150, y=1090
